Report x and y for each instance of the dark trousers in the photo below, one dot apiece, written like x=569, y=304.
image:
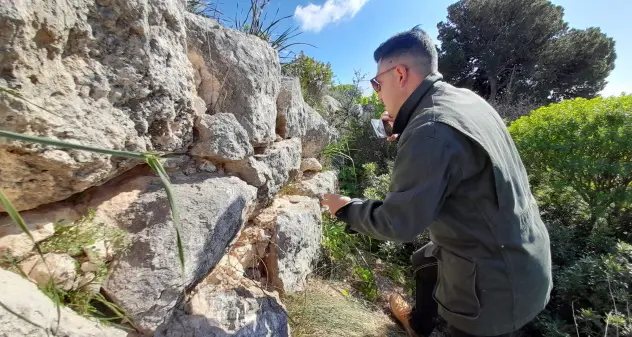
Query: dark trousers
x=425, y=311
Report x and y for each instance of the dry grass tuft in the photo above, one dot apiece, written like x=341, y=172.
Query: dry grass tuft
x=324, y=309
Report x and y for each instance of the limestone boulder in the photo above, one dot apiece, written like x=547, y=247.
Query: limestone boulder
x=38, y=309
x=109, y=74
x=316, y=184
x=331, y=104
x=295, y=118
x=237, y=312
x=221, y=138
x=311, y=164
x=235, y=73
x=147, y=281
x=272, y=169
x=296, y=224
x=227, y=305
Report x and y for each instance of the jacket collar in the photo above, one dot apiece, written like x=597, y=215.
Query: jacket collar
x=411, y=103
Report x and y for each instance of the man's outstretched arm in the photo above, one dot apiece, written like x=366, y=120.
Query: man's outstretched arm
x=425, y=168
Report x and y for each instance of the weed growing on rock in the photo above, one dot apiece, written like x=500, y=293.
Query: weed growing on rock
x=71, y=239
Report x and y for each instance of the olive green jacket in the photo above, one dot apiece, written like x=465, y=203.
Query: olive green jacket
x=459, y=174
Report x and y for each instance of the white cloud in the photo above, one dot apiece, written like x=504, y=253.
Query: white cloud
x=315, y=17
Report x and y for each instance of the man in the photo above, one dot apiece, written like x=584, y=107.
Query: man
x=487, y=271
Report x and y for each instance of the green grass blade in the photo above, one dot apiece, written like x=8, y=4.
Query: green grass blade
x=155, y=165
x=58, y=143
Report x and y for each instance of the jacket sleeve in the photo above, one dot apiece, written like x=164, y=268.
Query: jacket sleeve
x=424, y=170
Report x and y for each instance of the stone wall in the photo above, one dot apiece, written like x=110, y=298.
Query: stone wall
x=147, y=76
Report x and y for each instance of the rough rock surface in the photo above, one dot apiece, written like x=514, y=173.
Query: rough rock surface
x=111, y=74
x=147, y=281
x=33, y=305
x=331, y=104
x=297, y=119
x=235, y=73
x=271, y=170
x=226, y=304
x=221, y=138
x=311, y=164
x=297, y=226
x=62, y=266
x=40, y=222
x=315, y=185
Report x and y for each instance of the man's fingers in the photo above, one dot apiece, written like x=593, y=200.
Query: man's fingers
x=392, y=137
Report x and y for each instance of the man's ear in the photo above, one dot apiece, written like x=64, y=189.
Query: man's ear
x=402, y=75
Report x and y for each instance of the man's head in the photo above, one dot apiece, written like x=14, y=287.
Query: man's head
x=403, y=62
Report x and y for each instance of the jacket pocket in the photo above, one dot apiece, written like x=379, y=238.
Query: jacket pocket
x=455, y=291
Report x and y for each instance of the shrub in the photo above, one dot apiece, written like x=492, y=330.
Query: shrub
x=584, y=145
x=372, y=105
x=315, y=77
x=598, y=289
x=377, y=186
x=254, y=23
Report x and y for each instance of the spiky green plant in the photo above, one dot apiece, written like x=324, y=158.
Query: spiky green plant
x=255, y=23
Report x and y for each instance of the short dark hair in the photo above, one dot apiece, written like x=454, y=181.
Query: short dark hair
x=415, y=42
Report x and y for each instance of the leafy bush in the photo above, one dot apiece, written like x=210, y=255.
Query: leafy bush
x=584, y=145
x=367, y=287
x=598, y=290
x=377, y=185
x=315, y=77
x=372, y=105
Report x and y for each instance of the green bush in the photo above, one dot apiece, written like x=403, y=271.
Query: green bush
x=377, y=186
x=315, y=77
x=583, y=147
x=598, y=290
x=372, y=105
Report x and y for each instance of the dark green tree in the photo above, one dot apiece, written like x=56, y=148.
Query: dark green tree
x=513, y=48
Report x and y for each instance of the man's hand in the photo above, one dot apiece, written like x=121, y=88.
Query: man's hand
x=386, y=117
x=335, y=202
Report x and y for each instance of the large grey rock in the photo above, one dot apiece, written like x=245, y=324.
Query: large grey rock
x=236, y=73
x=297, y=225
x=221, y=138
x=311, y=164
x=271, y=170
x=243, y=311
x=331, y=104
x=297, y=119
x=315, y=185
x=23, y=298
x=318, y=134
x=147, y=282
x=110, y=74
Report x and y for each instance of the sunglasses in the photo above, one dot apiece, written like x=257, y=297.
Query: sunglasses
x=374, y=82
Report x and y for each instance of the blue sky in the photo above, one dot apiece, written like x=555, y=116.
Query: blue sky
x=346, y=32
